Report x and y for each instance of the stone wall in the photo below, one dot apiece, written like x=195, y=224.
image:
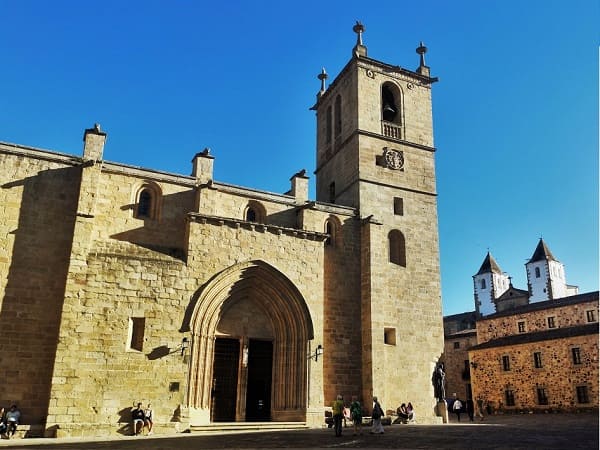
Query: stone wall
x=566, y=313
x=539, y=356
x=38, y=202
x=458, y=376
x=126, y=268
x=559, y=376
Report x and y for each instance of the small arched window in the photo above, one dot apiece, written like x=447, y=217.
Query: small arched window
x=329, y=230
x=397, y=246
x=332, y=228
x=250, y=215
x=483, y=286
x=144, y=204
x=255, y=212
x=147, y=201
x=537, y=272
x=390, y=109
x=338, y=115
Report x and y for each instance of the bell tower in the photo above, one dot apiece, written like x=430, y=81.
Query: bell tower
x=375, y=153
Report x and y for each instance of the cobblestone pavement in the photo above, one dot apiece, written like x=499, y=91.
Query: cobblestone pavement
x=550, y=431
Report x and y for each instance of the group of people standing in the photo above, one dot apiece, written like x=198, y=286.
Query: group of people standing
x=354, y=413
x=9, y=421
x=142, y=418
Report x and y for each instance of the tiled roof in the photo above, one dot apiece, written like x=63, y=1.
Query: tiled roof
x=462, y=333
x=541, y=253
x=466, y=315
x=546, y=335
x=489, y=265
x=555, y=303
x=513, y=292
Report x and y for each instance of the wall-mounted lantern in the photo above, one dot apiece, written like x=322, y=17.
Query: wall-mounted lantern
x=318, y=352
x=184, y=345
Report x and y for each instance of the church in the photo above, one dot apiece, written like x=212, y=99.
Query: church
x=218, y=303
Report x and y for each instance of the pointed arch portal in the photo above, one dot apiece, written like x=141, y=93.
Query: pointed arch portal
x=250, y=331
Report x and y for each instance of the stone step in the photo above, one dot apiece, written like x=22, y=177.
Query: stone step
x=248, y=426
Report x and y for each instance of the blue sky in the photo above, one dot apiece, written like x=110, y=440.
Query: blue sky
x=515, y=111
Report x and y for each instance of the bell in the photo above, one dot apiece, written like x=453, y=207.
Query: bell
x=388, y=109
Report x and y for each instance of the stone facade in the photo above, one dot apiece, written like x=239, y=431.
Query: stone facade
x=519, y=353
x=539, y=357
x=211, y=301
x=460, y=335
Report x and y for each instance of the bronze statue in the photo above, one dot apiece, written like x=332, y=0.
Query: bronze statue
x=439, y=381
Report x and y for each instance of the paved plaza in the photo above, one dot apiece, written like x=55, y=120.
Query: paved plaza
x=543, y=431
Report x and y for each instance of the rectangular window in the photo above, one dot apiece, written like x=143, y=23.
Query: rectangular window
x=398, y=206
x=136, y=333
x=521, y=326
x=332, y=192
x=541, y=396
x=591, y=315
x=509, y=396
x=506, y=362
x=582, y=394
x=551, y=323
x=389, y=336
x=537, y=360
x=576, y=353
x=457, y=344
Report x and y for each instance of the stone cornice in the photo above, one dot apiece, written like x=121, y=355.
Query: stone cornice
x=255, y=194
x=257, y=227
x=384, y=68
x=377, y=136
x=331, y=208
x=33, y=152
x=155, y=175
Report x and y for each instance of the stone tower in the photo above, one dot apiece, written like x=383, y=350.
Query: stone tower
x=489, y=283
x=375, y=153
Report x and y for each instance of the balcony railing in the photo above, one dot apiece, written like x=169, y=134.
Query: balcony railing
x=392, y=130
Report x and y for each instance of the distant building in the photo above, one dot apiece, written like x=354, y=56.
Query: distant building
x=531, y=349
x=539, y=356
x=460, y=334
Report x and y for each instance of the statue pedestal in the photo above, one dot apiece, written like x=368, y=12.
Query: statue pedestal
x=442, y=411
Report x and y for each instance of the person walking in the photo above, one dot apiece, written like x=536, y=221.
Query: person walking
x=377, y=414
x=356, y=413
x=480, y=408
x=337, y=409
x=457, y=408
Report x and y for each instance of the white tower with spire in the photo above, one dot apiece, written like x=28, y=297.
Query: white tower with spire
x=546, y=276
x=489, y=284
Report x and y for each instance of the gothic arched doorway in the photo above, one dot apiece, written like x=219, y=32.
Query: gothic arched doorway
x=250, y=331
